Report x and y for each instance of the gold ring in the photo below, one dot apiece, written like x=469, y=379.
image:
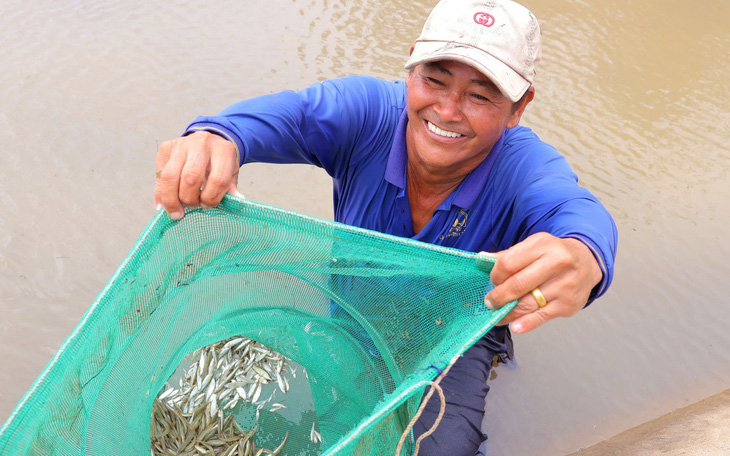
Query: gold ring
x=539, y=297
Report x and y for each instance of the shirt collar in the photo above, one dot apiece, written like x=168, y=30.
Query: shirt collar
x=469, y=189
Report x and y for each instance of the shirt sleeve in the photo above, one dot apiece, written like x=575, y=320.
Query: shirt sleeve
x=322, y=125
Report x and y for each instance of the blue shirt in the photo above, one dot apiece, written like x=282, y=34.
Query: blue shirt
x=354, y=128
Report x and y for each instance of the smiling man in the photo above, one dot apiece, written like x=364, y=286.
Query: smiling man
x=456, y=116
x=440, y=158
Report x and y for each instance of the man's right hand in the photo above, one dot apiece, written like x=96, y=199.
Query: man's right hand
x=196, y=170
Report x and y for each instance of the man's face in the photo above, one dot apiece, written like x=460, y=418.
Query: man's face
x=455, y=116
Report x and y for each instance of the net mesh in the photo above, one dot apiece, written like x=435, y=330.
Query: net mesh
x=368, y=316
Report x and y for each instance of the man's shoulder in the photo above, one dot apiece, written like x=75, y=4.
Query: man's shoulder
x=524, y=150
x=522, y=136
x=522, y=139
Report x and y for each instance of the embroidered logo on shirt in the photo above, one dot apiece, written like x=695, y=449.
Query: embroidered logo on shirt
x=459, y=224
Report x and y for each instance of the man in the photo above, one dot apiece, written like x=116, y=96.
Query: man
x=441, y=159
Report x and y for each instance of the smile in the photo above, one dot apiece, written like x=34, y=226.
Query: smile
x=440, y=132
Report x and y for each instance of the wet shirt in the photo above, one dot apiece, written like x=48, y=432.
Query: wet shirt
x=354, y=128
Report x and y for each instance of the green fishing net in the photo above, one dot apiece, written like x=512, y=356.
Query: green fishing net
x=336, y=332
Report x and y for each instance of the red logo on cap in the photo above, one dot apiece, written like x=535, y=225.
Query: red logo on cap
x=484, y=19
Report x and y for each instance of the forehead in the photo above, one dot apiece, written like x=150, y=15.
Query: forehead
x=453, y=68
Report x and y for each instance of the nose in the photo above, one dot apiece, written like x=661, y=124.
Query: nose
x=449, y=106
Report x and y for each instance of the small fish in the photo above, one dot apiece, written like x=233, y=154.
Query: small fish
x=282, y=385
x=256, y=393
x=190, y=418
x=213, y=406
x=206, y=380
x=315, y=436
x=281, y=446
x=262, y=373
x=211, y=389
x=202, y=362
x=231, y=404
x=166, y=393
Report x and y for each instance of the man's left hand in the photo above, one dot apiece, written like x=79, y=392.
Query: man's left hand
x=563, y=269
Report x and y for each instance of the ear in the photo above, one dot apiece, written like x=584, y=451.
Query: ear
x=409, y=75
x=410, y=72
x=520, y=108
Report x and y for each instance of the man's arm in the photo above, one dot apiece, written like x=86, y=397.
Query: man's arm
x=322, y=125
x=562, y=239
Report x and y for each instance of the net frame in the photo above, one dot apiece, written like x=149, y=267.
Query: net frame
x=55, y=415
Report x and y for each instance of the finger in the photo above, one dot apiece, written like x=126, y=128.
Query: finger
x=169, y=182
x=532, y=320
x=517, y=257
x=519, y=284
x=223, y=173
x=193, y=174
x=527, y=315
x=163, y=155
x=233, y=190
x=528, y=304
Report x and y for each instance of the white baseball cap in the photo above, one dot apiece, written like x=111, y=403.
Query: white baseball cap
x=500, y=38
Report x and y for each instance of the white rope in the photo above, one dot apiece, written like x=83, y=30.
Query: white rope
x=434, y=386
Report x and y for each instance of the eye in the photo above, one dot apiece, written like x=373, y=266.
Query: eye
x=433, y=81
x=479, y=98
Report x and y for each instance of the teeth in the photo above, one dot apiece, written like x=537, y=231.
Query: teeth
x=440, y=132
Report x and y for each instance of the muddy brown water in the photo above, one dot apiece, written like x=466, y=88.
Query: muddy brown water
x=634, y=95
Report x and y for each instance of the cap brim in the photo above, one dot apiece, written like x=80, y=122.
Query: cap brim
x=509, y=82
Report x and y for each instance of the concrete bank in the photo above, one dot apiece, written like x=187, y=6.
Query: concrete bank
x=701, y=429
